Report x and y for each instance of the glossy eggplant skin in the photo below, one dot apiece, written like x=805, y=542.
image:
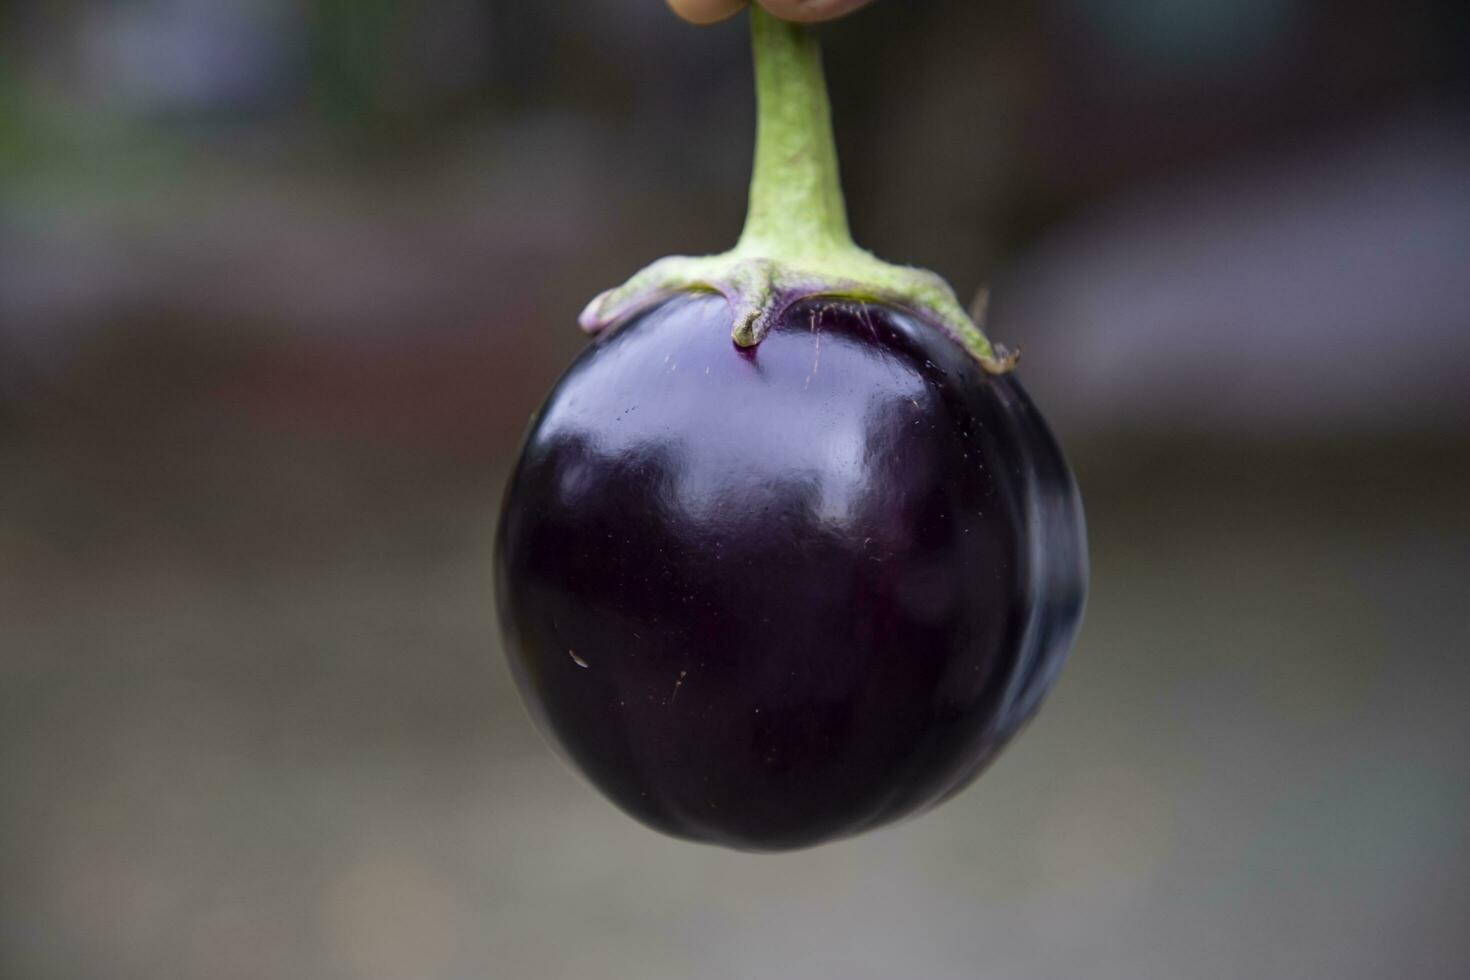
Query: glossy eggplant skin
x=771, y=597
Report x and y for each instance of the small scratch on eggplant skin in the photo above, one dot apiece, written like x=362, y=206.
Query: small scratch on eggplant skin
x=578, y=660
x=817, y=359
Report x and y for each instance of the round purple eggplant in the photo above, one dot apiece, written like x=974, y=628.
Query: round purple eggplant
x=788, y=554
x=775, y=595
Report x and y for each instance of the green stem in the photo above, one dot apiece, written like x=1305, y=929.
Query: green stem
x=796, y=206
x=796, y=244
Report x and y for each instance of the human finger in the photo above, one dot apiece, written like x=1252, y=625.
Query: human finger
x=707, y=11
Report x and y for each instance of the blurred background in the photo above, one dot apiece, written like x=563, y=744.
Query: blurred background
x=282, y=280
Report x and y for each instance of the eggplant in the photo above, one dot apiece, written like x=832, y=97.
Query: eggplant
x=788, y=554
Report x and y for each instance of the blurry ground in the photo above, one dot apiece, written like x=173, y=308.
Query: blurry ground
x=280, y=741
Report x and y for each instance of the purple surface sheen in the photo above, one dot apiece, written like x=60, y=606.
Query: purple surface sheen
x=768, y=597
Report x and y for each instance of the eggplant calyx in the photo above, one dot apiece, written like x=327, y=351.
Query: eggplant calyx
x=796, y=244
x=760, y=289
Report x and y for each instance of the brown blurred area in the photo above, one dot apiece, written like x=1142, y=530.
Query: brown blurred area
x=280, y=284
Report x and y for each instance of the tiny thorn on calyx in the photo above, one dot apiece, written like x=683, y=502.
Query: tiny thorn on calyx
x=980, y=307
x=796, y=244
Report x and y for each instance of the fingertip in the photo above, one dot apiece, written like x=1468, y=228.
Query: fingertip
x=706, y=11
x=812, y=11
